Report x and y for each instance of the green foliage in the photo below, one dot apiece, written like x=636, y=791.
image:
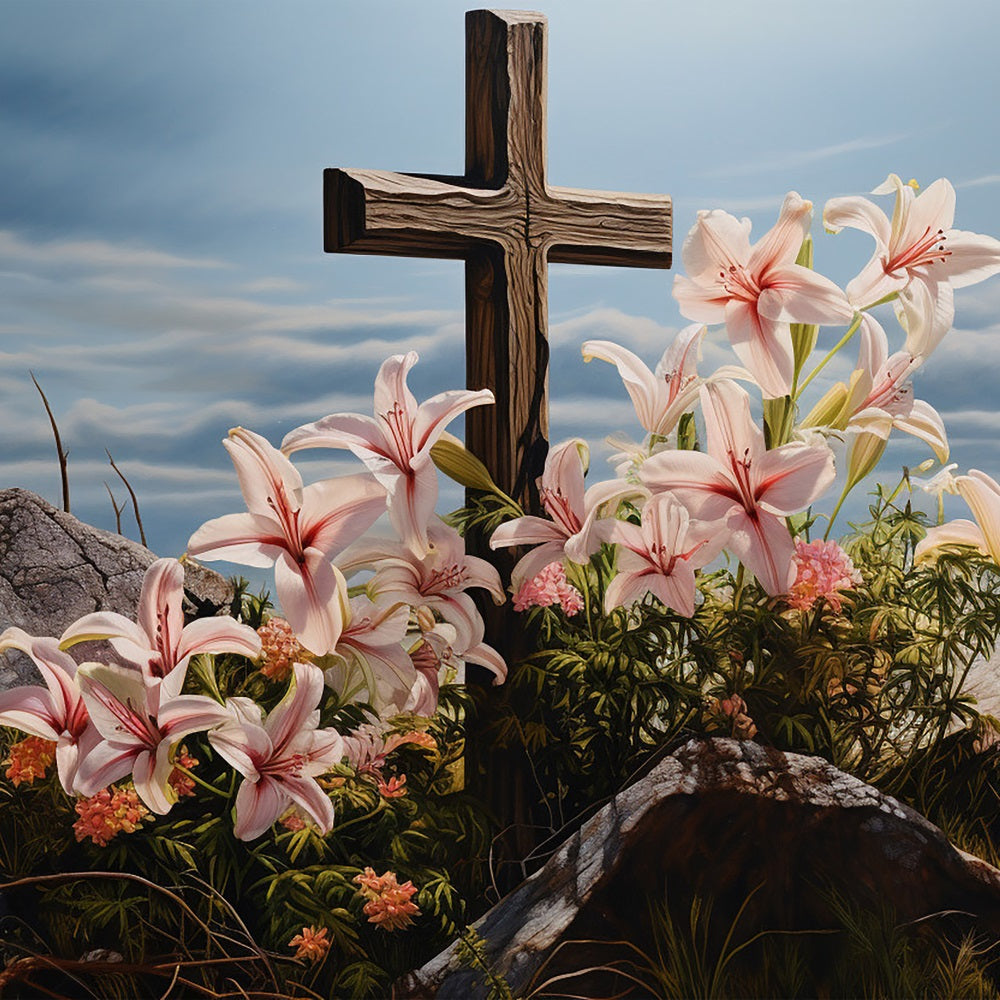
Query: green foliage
x=876, y=687
x=182, y=894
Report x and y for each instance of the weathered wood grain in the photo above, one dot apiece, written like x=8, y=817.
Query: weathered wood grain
x=503, y=219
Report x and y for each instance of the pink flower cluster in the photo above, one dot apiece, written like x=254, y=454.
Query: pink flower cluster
x=110, y=812
x=279, y=649
x=547, y=588
x=29, y=759
x=388, y=905
x=822, y=569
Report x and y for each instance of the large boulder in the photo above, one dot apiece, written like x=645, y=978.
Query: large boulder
x=54, y=569
x=735, y=822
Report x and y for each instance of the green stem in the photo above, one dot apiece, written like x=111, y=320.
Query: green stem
x=359, y=819
x=738, y=587
x=851, y=330
x=578, y=576
x=836, y=510
x=204, y=784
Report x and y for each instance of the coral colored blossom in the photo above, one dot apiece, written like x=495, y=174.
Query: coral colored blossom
x=292, y=819
x=730, y=714
x=394, y=788
x=367, y=747
x=388, y=905
x=110, y=812
x=822, y=569
x=180, y=782
x=29, y=760
x=311, y=944
x=279, y=649
x=547, y=588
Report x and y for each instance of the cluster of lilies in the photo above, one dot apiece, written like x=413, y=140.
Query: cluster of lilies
x=669, y=511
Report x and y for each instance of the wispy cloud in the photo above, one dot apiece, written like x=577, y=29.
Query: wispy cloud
x=803, y=157
x=979, y=181
x=95, y=254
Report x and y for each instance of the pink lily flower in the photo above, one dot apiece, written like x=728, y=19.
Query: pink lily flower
x=918, y=253
x=372, y=643
x=280, y=757
x=55, y=712
x=298, y=531
x=880, y=395
x=159, y=641
x=982, y=493
x=439, y=580
x=434, y=652
x=141, y=726
x=576, y=531
x=661, y=397
x=757, y=290
x=659, y=556
x=741, y=484
x=396, y=444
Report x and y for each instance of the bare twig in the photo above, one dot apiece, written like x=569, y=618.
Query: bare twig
x=63, y=455
x=118, y=510
x=131, y=493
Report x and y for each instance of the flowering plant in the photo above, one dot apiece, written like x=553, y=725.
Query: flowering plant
x=280, y=761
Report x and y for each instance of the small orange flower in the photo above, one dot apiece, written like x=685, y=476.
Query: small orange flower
x=388, y=905
x=29, y=759
x=110, y=812
x=181, y=783
x=292, y=819
x=311, y=944
x=394, y=788
x=729, y=714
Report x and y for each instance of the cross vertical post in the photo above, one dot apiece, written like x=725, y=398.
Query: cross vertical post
x=507, y=223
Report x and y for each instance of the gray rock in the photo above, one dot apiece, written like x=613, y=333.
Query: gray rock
x=54, y=569
x=722, y=818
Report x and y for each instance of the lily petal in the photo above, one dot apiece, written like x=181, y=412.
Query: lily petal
x=218, y=635
x=258, y=805
x=311, y=593
x=959, y=532
x=436, y=413
x=763, y=345
x=335, y=512
x=249, y=539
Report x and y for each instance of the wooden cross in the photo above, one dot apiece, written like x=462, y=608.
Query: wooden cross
x=506, y=223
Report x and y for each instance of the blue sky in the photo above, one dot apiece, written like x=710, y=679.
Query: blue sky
x=161, y=264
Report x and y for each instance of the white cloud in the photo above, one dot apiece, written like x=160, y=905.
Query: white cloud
x=273, y=284
x=979, y=181
x=95, y=254
x=639, y=333
x=799, y=158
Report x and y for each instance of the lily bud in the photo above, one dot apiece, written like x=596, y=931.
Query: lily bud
x=829, y=410
x=804, y=334
x=459, y=464
x=866, y=450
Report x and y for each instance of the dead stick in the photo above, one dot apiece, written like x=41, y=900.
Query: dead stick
x=131, y=493
x=63, y=455
x=118, y=510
